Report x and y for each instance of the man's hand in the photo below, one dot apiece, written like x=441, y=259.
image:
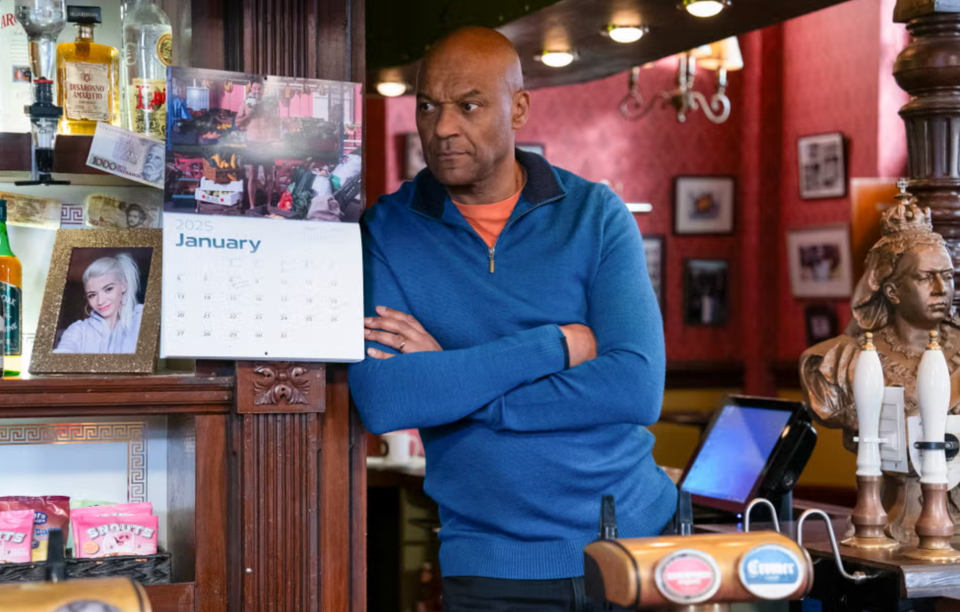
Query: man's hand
x=581, y=343
x=399, y=330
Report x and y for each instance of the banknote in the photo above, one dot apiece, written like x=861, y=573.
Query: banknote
x=31, y=211
x=108, y=211
x=127, y=154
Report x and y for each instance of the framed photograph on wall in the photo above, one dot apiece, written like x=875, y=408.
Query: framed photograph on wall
x=413, y=161
x=101, y=305
x=821, y=323
x=823, y=166
x=655, y=249
x=704, y=204
x=819, y=259
x=706, y=291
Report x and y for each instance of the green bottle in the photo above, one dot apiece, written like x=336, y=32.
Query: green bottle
x=11, y=293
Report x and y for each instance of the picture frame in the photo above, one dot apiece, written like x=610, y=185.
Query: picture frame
x=821, y=323
x=704, y=205
x=819, y=261
x=655, y=250
x=413, y=160
x=110, y=322
x=822, y=166
x=706, y=292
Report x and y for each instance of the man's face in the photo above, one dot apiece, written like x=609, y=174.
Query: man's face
x=257, y=90
x=464, y=117
x=134, y=218
x=924, y=292
x=153, y=165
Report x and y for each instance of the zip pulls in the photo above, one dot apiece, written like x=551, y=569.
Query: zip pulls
x=492, y=251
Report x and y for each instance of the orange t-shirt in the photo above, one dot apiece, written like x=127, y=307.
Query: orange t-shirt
x=488, y=219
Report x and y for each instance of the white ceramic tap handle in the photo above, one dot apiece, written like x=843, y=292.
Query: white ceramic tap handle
x=933, y=398
x=868, y=397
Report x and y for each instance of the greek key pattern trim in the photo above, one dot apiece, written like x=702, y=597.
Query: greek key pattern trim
x=133, y=434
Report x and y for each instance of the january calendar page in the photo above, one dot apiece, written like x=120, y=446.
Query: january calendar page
x=246, y=288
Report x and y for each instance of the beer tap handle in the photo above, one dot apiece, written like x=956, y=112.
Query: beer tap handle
x=608, y=518
x=758, y=501
x=856, y=577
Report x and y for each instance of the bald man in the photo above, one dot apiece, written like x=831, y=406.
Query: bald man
x=510, y=317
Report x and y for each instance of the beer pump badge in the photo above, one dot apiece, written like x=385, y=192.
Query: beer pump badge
x=688, y=576
x=771, y=572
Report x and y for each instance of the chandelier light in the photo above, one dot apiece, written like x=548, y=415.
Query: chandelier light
x=722, y=56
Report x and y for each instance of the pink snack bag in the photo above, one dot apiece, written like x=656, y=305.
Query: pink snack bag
x=16, y=536
x=137, y=509
x=112, y=536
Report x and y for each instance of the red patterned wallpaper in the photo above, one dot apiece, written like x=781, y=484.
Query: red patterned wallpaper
x=828, y=71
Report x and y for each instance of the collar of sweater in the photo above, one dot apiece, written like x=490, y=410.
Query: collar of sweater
x=543, y=186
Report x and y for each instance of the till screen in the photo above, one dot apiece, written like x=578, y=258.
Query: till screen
x=735, y=452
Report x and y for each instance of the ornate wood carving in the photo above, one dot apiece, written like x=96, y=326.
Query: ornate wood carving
x=927, y=70
x=279, y=387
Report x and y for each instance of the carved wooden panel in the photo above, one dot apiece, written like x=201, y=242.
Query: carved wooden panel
x=280, y=483
x=279, y=387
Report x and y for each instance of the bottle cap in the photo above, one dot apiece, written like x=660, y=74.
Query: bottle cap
x=84, y=14
x=868, y=342
x=3, y=211
x=934, y=344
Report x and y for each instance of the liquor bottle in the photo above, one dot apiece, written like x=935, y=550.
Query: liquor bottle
x=89, y=75
x=11, y=281
x=147, y=51
x=15, y=70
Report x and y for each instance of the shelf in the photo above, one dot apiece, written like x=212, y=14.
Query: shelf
x=69, y=396
x=172, y=597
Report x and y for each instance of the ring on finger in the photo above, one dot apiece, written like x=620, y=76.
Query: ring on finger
x=403, y=343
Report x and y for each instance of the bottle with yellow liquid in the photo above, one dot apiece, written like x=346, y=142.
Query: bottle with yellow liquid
x=11, y=294
x=89, y=77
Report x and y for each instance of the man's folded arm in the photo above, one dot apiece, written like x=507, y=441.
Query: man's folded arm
x=624, y=383
x=427, y=389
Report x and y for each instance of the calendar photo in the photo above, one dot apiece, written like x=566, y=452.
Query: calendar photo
x=263, y=146
x=101, y=306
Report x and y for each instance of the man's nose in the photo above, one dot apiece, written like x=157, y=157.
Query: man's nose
x=939, y=286
x=447, y=123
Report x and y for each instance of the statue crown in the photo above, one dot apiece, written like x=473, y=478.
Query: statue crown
x=906, y=216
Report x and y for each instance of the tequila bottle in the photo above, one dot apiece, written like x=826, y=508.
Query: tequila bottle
x=89, y=88
x=147, y=51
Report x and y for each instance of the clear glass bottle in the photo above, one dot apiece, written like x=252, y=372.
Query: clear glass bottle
x=11, y=281
x=147, y=51
x=89, y=80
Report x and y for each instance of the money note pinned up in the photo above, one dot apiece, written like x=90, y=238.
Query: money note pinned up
x=108, y=211
x=126, y=154
x=31, y=211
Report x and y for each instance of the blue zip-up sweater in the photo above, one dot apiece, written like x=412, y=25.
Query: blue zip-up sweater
x=519, y=447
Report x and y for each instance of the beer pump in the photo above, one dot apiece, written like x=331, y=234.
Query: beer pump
x=869, y=517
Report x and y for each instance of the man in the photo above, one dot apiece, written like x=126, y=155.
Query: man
x=261, y=120
x=136, y=216
x=153, y=164
x=510, y=317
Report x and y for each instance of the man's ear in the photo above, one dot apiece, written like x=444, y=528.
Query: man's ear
x=521, y=109
x=890, y=292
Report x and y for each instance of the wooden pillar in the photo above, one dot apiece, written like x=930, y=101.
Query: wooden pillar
x=929, y=70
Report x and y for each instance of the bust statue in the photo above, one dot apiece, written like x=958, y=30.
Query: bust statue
x=906, y=290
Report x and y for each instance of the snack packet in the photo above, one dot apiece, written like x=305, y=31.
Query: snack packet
x=137, y=509
x=49, y=512
x=16, y=536
x=112, y=536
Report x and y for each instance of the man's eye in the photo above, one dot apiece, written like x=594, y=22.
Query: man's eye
x=470, y=106
x=426, y=107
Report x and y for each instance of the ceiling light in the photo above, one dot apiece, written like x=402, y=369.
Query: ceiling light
x=557, y=59
x=705, y=8
x=391, y=89
x=625, y=34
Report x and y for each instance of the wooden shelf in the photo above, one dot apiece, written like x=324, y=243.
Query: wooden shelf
x=68, y=396
x=70, y=156
x=172, y=597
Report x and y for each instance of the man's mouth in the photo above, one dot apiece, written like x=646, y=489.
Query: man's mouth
x=939, y=307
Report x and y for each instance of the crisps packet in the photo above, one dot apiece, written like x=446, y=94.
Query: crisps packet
x=49, y=512
x=137, y=509
x=16, y=536
x=112, y=536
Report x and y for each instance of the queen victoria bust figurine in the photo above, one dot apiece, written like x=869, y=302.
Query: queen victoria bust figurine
x=906, y=290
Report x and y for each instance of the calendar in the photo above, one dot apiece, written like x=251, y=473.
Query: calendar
x=248, y=289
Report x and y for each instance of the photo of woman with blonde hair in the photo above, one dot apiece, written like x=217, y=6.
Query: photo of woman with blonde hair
x=111, y=286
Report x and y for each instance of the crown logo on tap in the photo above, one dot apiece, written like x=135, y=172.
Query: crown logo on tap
x=906, y=216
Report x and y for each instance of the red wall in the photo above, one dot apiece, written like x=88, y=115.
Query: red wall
x=828, y=71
